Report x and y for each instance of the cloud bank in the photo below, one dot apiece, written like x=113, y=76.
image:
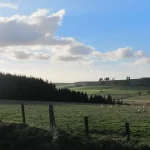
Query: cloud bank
x=33, y=37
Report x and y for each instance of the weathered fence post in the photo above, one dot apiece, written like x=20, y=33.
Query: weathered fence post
x=52, y=119
x=86, y=125
x=127, y=131
x=23, y=114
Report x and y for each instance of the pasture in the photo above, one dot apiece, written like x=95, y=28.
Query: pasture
x=104, y=121
x=117, y=92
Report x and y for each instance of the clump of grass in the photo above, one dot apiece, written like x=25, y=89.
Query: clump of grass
x=22, y=137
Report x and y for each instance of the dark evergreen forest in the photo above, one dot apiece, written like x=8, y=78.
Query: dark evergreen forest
x=20, y=87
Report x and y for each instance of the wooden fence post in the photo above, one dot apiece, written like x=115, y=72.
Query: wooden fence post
x=127, y=131
x=23, y=114
x=52, y=119
x=86, y=125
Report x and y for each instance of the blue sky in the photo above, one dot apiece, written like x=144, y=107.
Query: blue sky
x=105, y=24
x=116, y=30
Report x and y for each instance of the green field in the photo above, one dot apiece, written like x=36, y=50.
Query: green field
x=121, y=92
x=64, y=85
x=104, y=122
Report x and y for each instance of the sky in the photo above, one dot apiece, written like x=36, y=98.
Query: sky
x=75, y=40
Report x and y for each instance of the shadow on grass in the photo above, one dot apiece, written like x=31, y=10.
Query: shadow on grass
x=22, y=137
x=107, y=132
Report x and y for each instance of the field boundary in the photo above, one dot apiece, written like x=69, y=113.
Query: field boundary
x=53, y=126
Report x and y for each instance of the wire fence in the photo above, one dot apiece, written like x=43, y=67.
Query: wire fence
x=98, y=120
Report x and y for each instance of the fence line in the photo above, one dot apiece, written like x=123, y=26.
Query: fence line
x=127, y=131
x=52, y=119
x=23, y=114
x=85, y=122
x=86, y=126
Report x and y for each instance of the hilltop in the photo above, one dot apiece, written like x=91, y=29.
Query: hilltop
x=144, y=81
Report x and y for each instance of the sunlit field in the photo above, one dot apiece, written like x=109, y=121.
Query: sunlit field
x=117, y=92
x=104, y=121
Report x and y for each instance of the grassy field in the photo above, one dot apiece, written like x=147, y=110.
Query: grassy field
x=128, y=92
x=64, y=85
x=104, y=122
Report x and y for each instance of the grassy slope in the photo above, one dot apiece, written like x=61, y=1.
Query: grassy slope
x=116, y=91
x=103, y=122
x=22, y=137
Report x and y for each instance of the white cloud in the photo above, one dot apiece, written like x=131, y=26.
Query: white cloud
x=143, y=60
x=120, y=53
x=69, y=58
x=8, y=5
x=140, y=53
x=22, y=55
x=81, y=49
x=2, y=61
x=31, y=30
x=25, y=52
x=33, y=37
x=42, y=56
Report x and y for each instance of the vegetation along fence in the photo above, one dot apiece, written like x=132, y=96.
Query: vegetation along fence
x=87, y=132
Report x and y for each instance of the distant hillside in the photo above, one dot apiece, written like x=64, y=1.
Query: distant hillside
x=132, y=82
x=64, y=85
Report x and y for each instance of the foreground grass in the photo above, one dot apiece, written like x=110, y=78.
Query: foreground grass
x=23, y=137
x=103, y=122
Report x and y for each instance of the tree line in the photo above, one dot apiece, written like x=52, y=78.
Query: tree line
x=20, y=87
